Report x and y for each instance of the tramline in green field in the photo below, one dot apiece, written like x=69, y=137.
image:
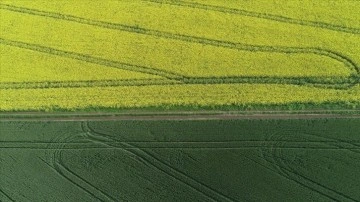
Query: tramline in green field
x=221, y=160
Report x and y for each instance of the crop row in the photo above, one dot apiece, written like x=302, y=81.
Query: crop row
x=268, y=16
x=321, y=82
x=171, y=95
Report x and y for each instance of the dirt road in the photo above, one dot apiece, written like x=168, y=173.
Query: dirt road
x=179, y=115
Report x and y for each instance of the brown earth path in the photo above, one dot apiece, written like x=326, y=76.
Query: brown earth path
x=177, y=115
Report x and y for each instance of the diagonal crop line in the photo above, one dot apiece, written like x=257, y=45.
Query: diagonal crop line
x=332, y=141
x=312, y=81
x=186, y=38
x=6, y=195
x=60, y=168
x=266, y=16
x=273, y=160
x=320, y=82
x=55, y=168
x=84, y=84
x=90, y=59
x=155, y=162
x=296, y=176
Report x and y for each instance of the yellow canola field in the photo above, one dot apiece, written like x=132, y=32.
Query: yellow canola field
x=342, y=12
x=77, y=54
x=179, y=56
x=168, y=96
x=33, y=66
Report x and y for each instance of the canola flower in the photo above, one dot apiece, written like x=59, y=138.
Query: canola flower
x=145, y=53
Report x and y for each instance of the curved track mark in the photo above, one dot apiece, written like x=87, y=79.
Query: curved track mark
x=293, y=175
x=153, y=161
x=171, y=78
x=192, y=39
x=58, y=167
x=333, y=142
x=142, y=158
x=90, y=59
x=274, y=162
x=312, y=183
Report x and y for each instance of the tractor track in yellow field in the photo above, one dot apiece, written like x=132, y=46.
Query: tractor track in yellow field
x=170, y=78
x=267, y=16
x=181, y=37
x=316, y=82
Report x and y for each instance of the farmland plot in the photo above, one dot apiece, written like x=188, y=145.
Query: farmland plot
x=222, y=160
x=209, y=54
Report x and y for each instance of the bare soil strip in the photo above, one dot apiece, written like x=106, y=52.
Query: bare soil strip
x=188, y=115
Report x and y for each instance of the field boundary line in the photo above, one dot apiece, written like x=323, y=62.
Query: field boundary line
x=114, y=117
x=137, y=142
x=131, y=146
x=176, y=112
